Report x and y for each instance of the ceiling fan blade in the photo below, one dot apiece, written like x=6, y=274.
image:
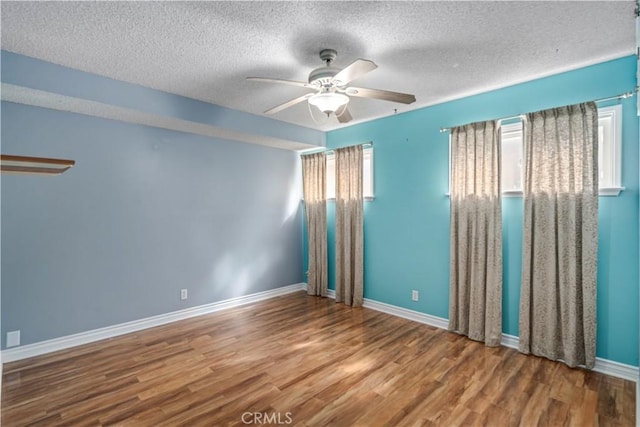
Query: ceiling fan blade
x=286, y=82
x=345, y=116
x=357, y=68
x=288, y=104
x=385, y=95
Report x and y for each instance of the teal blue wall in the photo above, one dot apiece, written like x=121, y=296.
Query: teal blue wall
x=407, y=225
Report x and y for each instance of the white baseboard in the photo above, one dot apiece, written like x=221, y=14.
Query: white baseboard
x=416, y=316
x=510, y=341
x=43, y=347
x=604, y=366
x=616, y=369
x=405, y=313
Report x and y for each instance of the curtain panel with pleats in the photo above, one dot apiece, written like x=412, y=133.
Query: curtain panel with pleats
x=315, y=208
x=560, y=235
x=475, y=280
x=349, y=226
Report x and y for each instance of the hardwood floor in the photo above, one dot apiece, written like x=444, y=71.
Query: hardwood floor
x=298, y=360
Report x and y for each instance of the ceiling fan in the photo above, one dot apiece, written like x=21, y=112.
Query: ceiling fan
x=331, y=93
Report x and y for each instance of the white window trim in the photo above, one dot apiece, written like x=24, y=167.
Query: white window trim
x=613, y=116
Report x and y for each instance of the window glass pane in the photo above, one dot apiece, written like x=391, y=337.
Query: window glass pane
x=331, y=177
x=367, y=172
x=511, y=146
x=601, y=154
x=511, y=164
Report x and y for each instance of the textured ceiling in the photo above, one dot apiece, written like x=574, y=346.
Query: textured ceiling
x=435, y=50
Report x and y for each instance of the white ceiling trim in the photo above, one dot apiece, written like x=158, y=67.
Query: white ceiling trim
x=54, y=101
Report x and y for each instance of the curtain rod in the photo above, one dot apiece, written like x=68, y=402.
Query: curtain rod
x=621, y=96
x=331, y=150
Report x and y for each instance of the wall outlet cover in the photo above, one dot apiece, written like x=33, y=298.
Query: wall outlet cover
x=183, y=294
x=13, y=339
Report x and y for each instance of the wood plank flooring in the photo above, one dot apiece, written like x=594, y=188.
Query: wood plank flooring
x=305, y=361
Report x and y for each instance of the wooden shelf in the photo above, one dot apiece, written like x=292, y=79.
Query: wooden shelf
x=33, y=165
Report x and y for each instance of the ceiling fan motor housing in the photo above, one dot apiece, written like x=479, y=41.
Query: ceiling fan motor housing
x=322, y=76
x=332, y=95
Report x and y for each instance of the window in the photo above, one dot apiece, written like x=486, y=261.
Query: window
x=367, y=174
x=609, y=154
x=512, y=172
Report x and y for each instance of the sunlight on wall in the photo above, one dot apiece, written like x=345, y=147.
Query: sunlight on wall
x=294, y=193
x=236, y=275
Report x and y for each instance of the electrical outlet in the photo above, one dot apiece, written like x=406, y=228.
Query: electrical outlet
x=13, y=338
x=183, y=294
x=414, y=295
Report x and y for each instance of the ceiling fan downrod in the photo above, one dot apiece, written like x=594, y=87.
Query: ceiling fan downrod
x=328, y=56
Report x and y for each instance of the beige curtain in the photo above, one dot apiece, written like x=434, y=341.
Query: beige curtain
x=557, y=297
x=475, y=281
x=315, y=208
x=349, y=229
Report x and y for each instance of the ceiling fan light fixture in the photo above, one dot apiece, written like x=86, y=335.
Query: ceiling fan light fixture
x=328, y=102
x=333, y=94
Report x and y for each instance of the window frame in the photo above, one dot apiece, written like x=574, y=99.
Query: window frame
x=612, y=118
x=512, y=130
x=367, y=184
